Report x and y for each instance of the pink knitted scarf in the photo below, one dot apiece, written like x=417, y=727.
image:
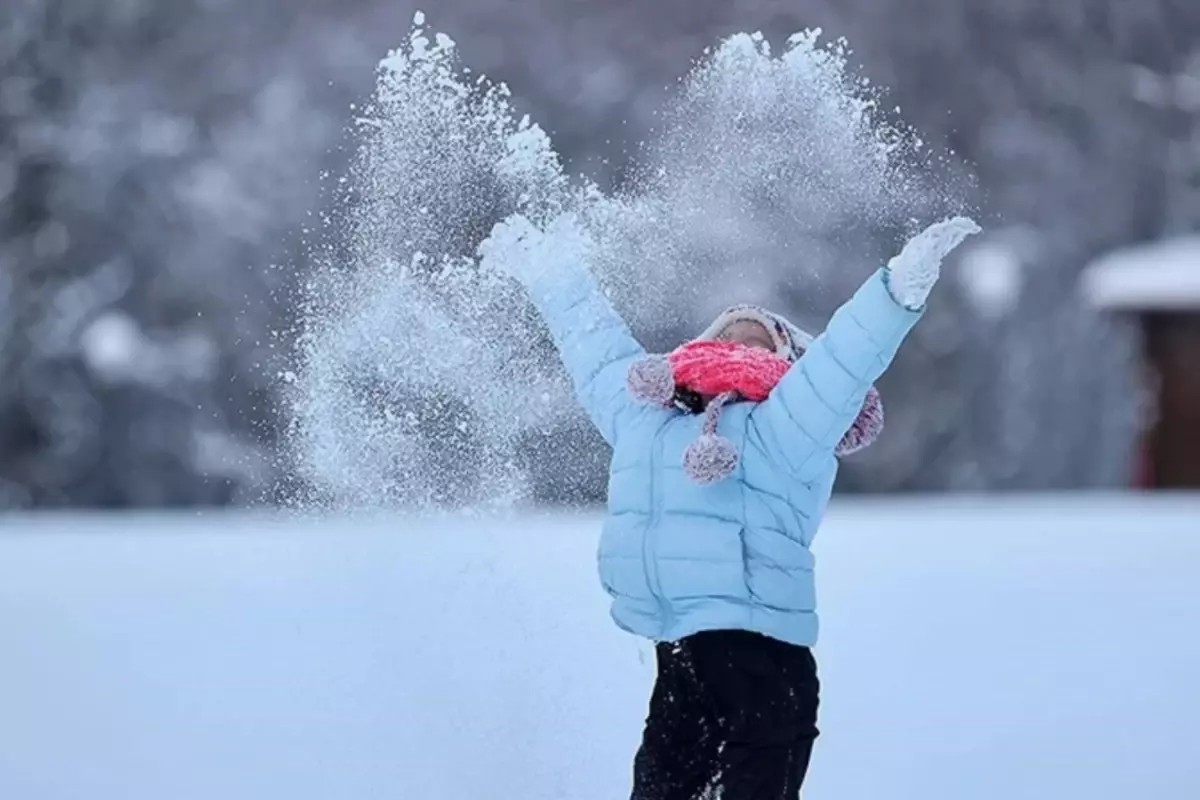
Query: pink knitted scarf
x=712, y=368
x=725, y=372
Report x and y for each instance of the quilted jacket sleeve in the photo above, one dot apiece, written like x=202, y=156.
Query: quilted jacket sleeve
x=594, y=343
x=801, y=423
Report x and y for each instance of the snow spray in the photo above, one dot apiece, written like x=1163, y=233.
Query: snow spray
x=422, y=379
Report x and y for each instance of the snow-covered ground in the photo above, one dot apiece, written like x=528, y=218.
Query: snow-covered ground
x=973, y=650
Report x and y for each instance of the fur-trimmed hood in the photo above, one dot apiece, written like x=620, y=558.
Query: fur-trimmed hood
x=663, y=380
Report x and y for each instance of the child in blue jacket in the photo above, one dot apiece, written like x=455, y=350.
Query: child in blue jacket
x=715, y=493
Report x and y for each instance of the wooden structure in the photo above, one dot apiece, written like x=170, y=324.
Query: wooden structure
x=1160, y=284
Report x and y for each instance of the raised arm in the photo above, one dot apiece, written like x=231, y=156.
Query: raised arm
x=594, y=343
x=800, y=424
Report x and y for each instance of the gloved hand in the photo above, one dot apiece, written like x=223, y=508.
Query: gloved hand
x=518, y=248
x=912, y=273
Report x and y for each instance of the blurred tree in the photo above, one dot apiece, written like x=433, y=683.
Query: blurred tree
x=147, y=186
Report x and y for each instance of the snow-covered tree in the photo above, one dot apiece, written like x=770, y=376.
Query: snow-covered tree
x=152, y=158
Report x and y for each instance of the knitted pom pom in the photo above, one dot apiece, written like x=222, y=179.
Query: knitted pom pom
x=710, y=458
x=866, y=428
x=651, y=380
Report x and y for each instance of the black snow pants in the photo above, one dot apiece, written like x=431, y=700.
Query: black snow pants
x=733, y=716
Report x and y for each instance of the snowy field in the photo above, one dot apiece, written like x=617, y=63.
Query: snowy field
x=973, y=650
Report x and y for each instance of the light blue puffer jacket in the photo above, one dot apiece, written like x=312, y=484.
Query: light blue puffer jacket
x=678, y=557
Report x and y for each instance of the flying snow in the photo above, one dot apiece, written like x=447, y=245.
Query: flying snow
x=423, y=378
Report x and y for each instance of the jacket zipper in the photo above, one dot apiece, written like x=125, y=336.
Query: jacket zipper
x=649, y=565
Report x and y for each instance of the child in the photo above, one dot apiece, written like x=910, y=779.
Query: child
x=724, y=458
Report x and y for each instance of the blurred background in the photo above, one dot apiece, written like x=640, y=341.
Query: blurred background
x=162, y=163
